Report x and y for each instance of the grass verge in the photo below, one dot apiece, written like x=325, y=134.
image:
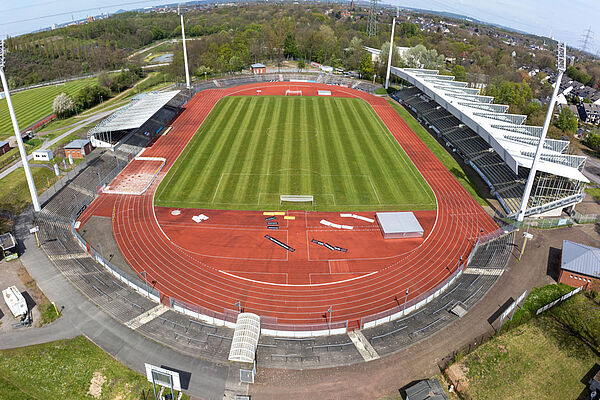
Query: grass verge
x=14, y=196
x=440, y=152
x=68, y=369
x=549, y=357
x=594, y=192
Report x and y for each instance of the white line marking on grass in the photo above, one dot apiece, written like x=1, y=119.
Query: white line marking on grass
x=216, y=190
x=374, y=191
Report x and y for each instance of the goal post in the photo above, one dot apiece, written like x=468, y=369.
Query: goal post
x=292, y=198
x=290, y=92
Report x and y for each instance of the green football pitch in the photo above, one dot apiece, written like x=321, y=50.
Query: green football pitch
x=250, y=150
x=34, y=104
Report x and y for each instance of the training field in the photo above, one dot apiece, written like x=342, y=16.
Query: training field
x=252, y=149
x=34, y=104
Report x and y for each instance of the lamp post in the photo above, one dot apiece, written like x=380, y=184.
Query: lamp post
x=146, y=280
x=405, y=299
x=330, y=311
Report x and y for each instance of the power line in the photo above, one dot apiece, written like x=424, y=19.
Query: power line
x=372, y=25
x=75, y=12
x=586, y=38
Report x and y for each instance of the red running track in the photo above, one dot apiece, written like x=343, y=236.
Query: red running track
x=193, y=270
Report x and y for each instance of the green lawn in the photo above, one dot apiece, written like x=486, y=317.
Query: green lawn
x=440, y=152
x=594, y=192
x=14, y=196
x=549, y=357
x=64, y=370
x=34, y=104
x=252, y=149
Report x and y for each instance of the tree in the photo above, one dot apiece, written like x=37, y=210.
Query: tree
x=366, y=66
x=420, y=57
x=459, y=73
x=290, y=47
x=566, y=120
x=593, y=141
x=409, y=29
x=236, y=63
x=203, y=71
x=63, y=106
x=301, y=65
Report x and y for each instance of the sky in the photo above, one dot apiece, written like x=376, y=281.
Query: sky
x=565, y=20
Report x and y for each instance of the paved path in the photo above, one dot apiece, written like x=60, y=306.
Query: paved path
x=49, y=143
x=592, y=169
x=207, y=380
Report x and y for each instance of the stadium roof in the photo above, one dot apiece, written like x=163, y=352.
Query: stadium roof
x=580, y=258
x=245, y=338
x=136, y=113
x=514, y=142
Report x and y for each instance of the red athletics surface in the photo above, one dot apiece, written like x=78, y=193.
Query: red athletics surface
x=218, y=262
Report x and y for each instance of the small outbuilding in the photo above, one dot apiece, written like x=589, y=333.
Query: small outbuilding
x=399, y=225
x=258, y=68
x=4, y=147
x=78, y=148
x=429, y=389
x=43, y=155
x=579, y=265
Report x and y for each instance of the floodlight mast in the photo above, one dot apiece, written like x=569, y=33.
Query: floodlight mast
x=13, y=117
x=185, y=59
x=389, y=66
x=561, y=65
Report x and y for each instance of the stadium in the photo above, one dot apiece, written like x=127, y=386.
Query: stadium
x=345, y=151
x=297, y=223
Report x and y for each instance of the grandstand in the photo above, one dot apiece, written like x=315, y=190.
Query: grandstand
x=498, y=145
x=144, y=114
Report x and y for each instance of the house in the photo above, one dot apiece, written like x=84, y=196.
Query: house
x=579, y=265
x=4, y=147
x=591, y=113
x=428, y=389
x=78, y=148
x=42, y=155
x=258, y=68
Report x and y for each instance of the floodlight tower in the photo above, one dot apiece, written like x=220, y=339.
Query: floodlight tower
x=13, y=117
x=389, y=66
x=561, y=65
x=185, y=59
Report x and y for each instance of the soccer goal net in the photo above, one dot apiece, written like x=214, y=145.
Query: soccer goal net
x=290, y=198
x=290, y=92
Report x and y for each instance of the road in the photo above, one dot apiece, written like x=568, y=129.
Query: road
x=592, y=169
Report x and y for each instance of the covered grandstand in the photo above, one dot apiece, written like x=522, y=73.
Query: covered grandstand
x=499, y=146
x=145, y=113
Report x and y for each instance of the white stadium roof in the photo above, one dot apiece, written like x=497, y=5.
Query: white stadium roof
x=514, y=142
x=136, y=113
